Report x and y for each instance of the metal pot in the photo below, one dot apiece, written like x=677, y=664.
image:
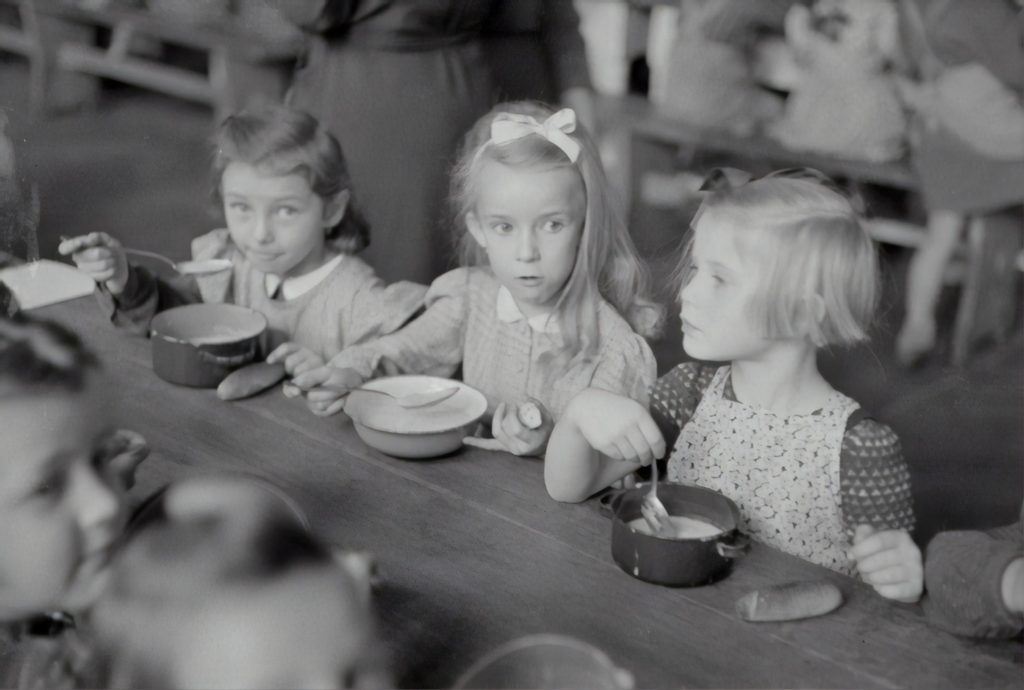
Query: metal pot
x=199, y=344
x=684, y=562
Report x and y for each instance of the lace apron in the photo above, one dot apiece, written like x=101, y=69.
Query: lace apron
x=782, y=471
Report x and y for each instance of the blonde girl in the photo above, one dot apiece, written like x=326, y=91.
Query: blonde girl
x=777, y=268
x=291, y=239
x=551, y=297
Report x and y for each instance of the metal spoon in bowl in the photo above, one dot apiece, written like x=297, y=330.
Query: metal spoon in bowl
x=653, y=510
x=413, y=400
x=196, y=267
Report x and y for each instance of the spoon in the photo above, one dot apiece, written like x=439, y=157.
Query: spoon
x=188, y=268
x=413, y=400
x=183, y=267
x=653, y=509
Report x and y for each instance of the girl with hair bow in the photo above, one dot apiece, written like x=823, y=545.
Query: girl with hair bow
x=551, y=297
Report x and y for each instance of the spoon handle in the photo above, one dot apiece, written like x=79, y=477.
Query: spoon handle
x=151, y=255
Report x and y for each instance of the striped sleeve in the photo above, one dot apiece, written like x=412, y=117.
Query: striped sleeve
x=874, y=479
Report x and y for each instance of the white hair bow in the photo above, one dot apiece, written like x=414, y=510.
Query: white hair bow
x=507, y=127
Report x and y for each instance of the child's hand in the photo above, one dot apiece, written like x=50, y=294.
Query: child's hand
x=99, y=256
x=325, y=388
x=616, y=426
x=1013, y=586
x=124, y=451
x=889, y=561
x=296, y=358
x=512, y=430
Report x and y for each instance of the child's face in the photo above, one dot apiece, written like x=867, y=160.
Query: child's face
x=305, y=631
x=59, y=515
x=717, y=323
x=529, y=222
x=277, y=221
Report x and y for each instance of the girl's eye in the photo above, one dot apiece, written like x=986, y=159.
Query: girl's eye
x=238, y=207
x=287, y=211
x=718, y=279
x=554, y=226
x=502, y=228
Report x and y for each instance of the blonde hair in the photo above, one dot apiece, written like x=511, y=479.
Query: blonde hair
x=607, y=265
x=807, y=245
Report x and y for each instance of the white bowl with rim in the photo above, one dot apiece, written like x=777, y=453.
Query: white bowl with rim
x=422, y=432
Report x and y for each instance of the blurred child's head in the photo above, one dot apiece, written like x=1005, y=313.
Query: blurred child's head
x=224, y=587
x=60, y=513
x=778, y=258
x=285, y=189
x=530, y=189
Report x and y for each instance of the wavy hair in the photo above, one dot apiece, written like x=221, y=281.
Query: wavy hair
x=285, y=141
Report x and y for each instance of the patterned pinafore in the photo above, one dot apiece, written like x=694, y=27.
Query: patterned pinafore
x=782, y=471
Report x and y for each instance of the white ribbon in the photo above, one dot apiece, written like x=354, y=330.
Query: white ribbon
x=508, y=127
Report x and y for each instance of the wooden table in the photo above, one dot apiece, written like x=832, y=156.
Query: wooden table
x=473, y=553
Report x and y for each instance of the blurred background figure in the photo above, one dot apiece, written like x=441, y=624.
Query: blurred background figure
x=19, y=206
x=219, y=584
x=968, y=144
x=398, y=82
x=535, y=52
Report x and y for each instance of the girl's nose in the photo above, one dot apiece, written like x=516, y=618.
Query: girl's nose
x=98, y=504
x=527, y=248
x=263, y=231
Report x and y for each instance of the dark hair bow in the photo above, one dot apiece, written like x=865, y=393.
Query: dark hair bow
x=726, y=179
x=723, y=179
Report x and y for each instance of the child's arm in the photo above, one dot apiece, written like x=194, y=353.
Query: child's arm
x=131, y=295
x=877, y=507
x=975, y=582
x=600, y=438
x=377, y=309
x=430, y=344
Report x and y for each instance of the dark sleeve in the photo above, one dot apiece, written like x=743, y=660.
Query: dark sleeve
x=989, y=32
x=563, y=44
x=874, y=479
x=675, y=396
x=963, y=573
x=144, y=296
x=316, y=15
x=738, y=21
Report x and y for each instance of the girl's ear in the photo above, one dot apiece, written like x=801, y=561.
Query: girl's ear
x=335, y=209
x=475, y=229
x=812, y=314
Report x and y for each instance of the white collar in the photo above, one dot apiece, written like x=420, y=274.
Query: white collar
x=509, y=312
x=300, y=285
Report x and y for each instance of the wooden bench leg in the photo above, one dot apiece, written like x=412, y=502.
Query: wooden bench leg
x=989, y=295
x=61, y=89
